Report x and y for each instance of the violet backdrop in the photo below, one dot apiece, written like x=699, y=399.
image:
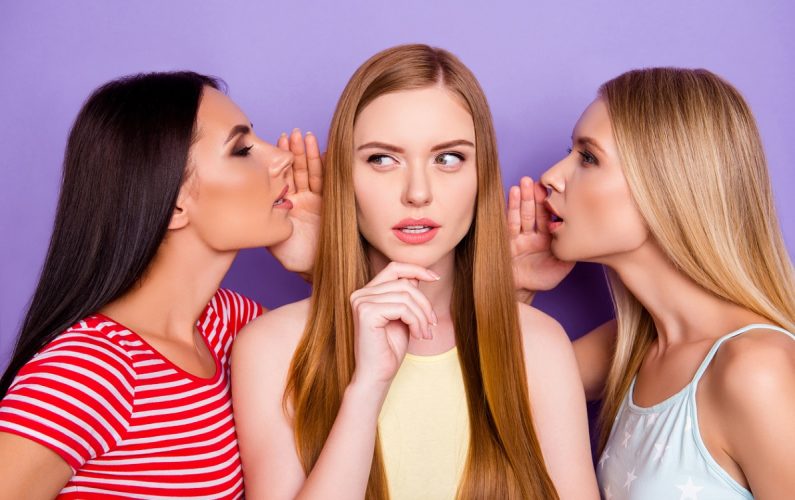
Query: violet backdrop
x=540, y=63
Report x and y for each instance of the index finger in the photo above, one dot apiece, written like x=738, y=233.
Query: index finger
x=398, y=270
x=300, y=173
x=542, y=214
x=314, y=163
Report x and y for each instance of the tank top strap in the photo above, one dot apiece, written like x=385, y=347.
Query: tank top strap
x=711, y=354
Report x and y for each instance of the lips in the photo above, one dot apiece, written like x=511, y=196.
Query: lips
x=555, y=220
x=282, y=201
x=416, y=231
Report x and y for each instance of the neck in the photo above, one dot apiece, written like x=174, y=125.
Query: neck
x=171, y=296
x=682, y=310
x=439, y=293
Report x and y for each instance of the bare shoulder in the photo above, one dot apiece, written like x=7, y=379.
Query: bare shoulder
x=274, y=334
x=755, y=367
x=542, y=336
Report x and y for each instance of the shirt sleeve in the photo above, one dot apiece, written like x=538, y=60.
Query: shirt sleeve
x=238, y=309
x=74, y=397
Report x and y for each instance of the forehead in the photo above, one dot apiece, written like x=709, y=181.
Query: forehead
x=217, y=113
x=418, y=117
x=594, y=122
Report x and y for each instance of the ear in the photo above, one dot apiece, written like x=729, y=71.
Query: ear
x=179, y=217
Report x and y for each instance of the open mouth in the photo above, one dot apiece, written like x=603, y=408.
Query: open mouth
x=555, y=220
x=282, y=201
x=415, y=231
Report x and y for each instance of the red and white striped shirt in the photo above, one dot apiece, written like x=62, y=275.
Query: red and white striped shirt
x=130, y=423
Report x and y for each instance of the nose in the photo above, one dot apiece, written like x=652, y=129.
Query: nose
x=417, y=191
x=279, y=161
x=554, y=178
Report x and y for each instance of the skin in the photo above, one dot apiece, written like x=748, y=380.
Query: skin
x=226, y=204
x=750, y=373
x=405, y=308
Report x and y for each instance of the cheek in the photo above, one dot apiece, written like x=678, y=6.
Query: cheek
x=374, y=197
x=458, y=196
x=232, y=211
x=604, y=222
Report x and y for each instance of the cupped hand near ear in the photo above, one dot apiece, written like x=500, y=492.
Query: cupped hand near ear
x=535, y=267
x=297, y=253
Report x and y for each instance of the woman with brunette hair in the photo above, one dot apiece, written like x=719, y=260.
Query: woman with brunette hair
x=666, y=184
x=411, y=372
x=118, y=386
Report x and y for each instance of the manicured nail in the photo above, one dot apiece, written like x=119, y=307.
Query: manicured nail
x=434, y=275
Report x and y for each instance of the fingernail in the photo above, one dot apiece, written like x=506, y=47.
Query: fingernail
x=284, y=134
x=434, y=275
x=296, y=129
x=434, y=318
x=308, y=132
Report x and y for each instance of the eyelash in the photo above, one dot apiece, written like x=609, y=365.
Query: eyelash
x=460, y=157
x=242, y=151
x=373, y=158
x=587, y=156
x=436, y=159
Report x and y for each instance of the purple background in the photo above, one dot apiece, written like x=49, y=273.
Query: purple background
x=539, y=62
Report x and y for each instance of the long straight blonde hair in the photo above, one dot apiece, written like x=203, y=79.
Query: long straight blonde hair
x=504, y=458
x=694, y=163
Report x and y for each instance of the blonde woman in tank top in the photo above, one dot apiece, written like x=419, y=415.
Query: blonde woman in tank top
x=666, y=185
x=412, y=371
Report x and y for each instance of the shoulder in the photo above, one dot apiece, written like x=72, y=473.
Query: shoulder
x=542, y=336
x=94, y=345
x=234, y=307
x=755, y=368
x=275, y=333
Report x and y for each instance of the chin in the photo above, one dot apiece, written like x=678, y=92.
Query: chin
x=563, y=253
x=278, y=233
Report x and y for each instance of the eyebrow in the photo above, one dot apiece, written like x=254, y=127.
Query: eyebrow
x=238, y=130
x=588, y=141
x=395, y=149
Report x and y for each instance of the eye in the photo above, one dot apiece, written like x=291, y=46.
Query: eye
x=588, y=158
x=244, y=151
x=381, y=160
x=449, y=160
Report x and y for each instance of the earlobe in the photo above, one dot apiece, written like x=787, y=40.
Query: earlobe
x=179, y=217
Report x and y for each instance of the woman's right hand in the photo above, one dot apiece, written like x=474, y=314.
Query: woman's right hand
x=388, y=310
x=535, y=267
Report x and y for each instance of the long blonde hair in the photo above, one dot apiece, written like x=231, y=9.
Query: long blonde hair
x=694, y=163
x=504, y=458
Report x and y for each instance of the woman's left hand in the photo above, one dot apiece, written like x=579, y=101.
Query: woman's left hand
x=297, y=253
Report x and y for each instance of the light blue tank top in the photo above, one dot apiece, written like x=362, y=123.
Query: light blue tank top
x=656, y=452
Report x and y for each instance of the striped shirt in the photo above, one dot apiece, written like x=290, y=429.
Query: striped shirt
x=130, y=423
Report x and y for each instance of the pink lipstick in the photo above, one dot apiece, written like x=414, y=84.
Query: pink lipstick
x=415, y=231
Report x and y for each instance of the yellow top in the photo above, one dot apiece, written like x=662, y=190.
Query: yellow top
x=424, y=428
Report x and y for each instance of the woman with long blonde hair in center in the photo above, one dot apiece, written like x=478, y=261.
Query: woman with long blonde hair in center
x=666, y=184
x=411, y=372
